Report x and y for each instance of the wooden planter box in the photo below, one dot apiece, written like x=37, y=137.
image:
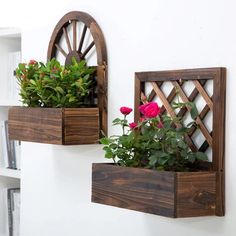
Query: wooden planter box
x=171, y=194
x=67, y=126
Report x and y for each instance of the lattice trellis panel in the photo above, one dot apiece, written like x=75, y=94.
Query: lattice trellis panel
x=204, y=87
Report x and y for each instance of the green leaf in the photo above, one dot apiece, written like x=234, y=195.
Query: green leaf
x=191, y=157
x=194, y=111
x=201, y=156
x=59, y=89
x=33, y=82
x=104, y=141
x=152, y=160
x=72, y=99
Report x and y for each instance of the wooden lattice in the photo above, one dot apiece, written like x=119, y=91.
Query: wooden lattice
x=213, y=137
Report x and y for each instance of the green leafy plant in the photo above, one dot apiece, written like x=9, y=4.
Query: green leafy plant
x=154, y=142
x=54, y=85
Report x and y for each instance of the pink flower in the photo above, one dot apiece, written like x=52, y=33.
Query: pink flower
x=133, y=125
x=142, y=119
x=160, y=125
x=32, y=62
x=125, y=110
x=150, y=110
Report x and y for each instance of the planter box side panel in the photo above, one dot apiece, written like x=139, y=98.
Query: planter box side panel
x=81, y=126
x=35, y=124
x=196, y=194
x=133, y=188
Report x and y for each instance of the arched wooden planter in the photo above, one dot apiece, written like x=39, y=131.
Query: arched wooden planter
x=165, y=193
x=69, y=126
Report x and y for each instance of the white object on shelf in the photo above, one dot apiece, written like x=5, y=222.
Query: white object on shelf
x=10, y=47
x=6, y=32
x=4, y=172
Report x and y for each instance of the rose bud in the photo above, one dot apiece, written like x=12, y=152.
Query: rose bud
x=125, y=110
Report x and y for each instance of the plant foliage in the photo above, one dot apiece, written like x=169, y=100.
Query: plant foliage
x=154, y=142
x=54, y=85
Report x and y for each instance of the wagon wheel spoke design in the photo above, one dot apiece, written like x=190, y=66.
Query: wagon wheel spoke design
x=77, y=35
x=76, y=40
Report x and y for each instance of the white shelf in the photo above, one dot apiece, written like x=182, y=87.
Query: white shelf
x=10, y=32
x=4, y=172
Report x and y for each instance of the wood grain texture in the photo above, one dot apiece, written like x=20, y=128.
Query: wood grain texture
x=195, y=194
x=81, y=127
x=65, y=126
x=132, y=188
x=91, y=28
x=214, y=138
x=171, y=194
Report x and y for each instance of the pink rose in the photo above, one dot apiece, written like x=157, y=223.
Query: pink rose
x=150, y=110
x=133, y=125
x=32, y=62
x=142, y=119
x=125, y=110
x=160, y=125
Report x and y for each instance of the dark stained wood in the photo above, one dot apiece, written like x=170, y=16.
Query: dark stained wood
x=61, y=50
x=186, y=74
x=215, y=103
x=198, y=120
x=74, y=23
x=219, y=100
x=82, y=39
x=67, y=39
x=195, y=194
x=203, y=93
x=87, y=50
x=90, y=27
x=136, y=189
x=157, y=192
x=81, y=127
x=172, y=113
x=67, y=126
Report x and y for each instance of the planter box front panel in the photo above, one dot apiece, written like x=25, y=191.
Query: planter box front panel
x=163, y=193
x=81, y=126
x=54, y=125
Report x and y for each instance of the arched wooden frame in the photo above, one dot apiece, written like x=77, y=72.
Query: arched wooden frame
x=216, y=103
x=75, y=50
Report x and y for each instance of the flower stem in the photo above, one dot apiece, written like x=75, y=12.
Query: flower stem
x=123, y=125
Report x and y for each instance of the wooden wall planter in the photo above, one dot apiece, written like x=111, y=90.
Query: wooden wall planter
x=67, y=126
x=173, y=194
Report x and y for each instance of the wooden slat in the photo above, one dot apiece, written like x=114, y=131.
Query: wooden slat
x=82, y=39
x=67, y=39
x=202, y=127
x=74, y=25
x=134, y=188
x=87, y=49
x=137, y=88
x=68, y=126
x=203, y=93
x=196, y=194
x=181, y=194
x=61, y=50
x=191, y=98
x=172, y=114
x=202, y=115
x=219, y=94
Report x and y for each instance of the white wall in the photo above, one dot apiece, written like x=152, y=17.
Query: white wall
x=140, y=35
